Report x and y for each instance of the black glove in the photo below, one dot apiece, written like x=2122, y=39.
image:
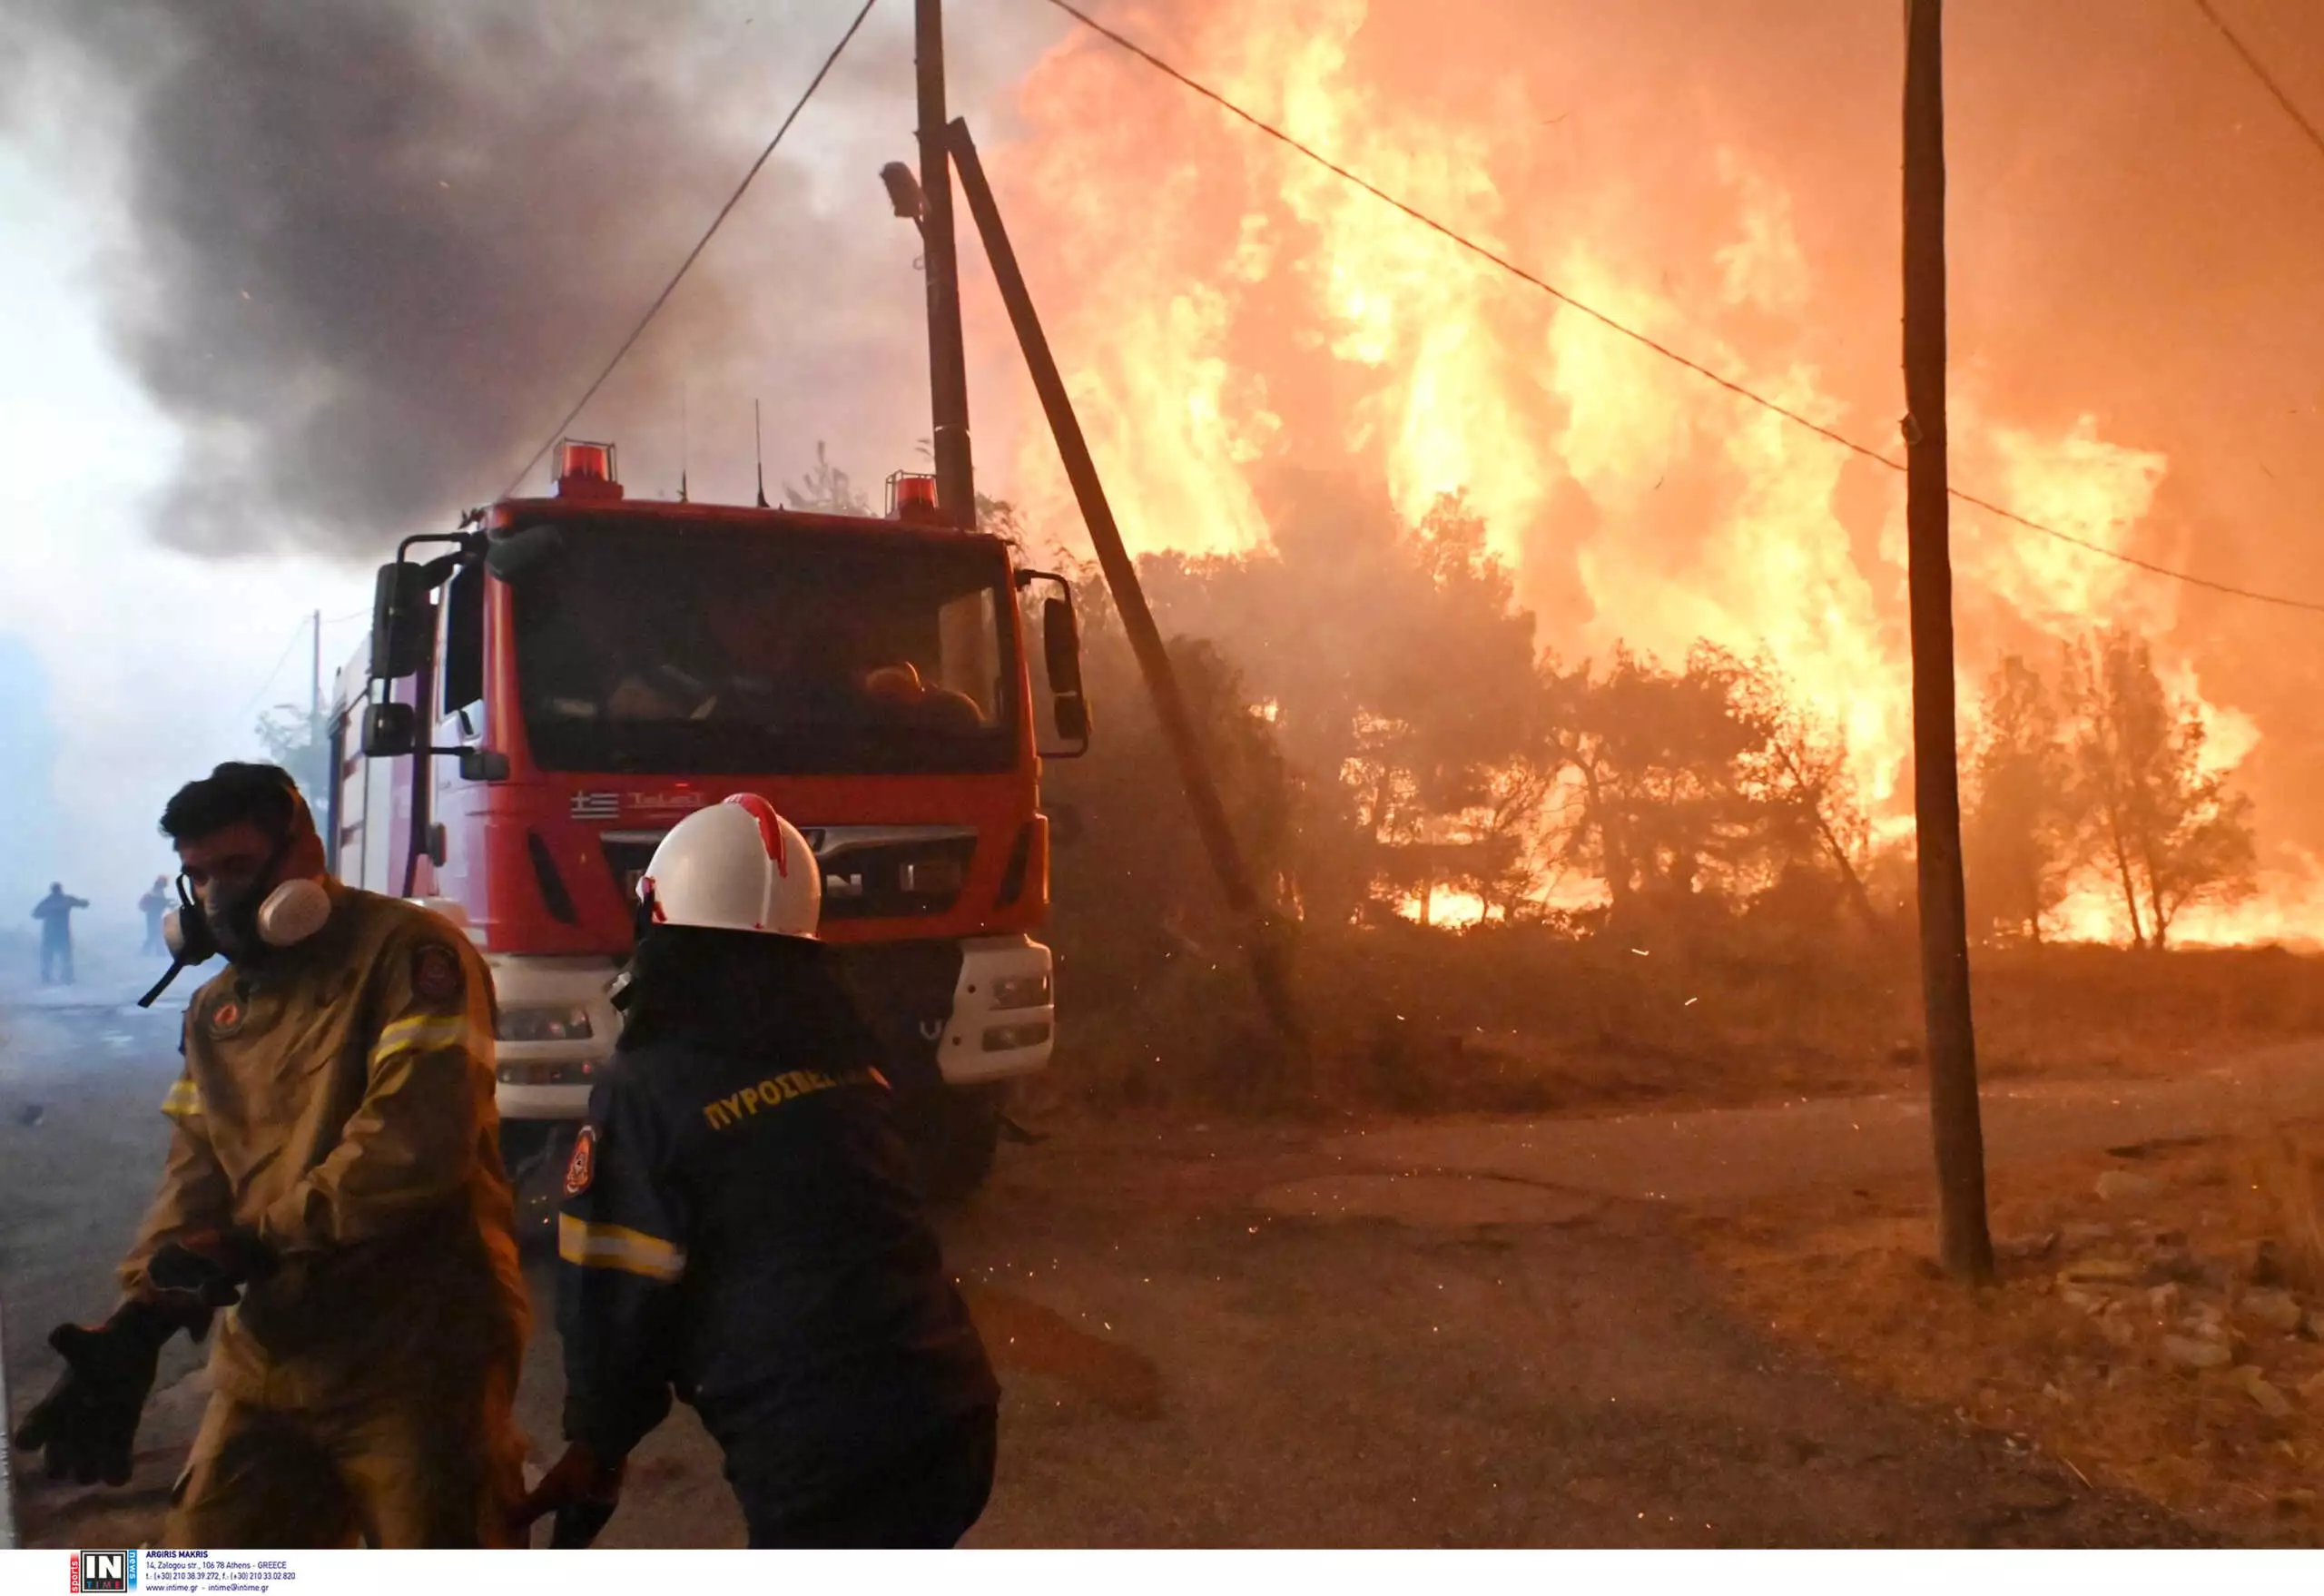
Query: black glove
x=582, y=1491
x=87, y=1423
x=211, y=1266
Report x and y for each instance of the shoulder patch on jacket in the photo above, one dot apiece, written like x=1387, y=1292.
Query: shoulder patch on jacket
x=226, y=1018
x=581, y=1168
x=436, y=972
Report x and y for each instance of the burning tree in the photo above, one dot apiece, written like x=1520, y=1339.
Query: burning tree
x=1801, y=772
x=1665, y=810
x=2165, y=824
x=2027, y=824
x=1401, y=676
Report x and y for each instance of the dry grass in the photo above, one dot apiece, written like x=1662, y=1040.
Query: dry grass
x=1523, y=1019
x=2081, y=1367
x=2281, y=1170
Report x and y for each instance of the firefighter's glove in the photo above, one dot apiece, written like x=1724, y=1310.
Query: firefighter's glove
x=211, y=1267
x=87, y=1424
x=581, y=1491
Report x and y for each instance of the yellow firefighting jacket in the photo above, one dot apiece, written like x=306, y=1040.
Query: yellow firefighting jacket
x=338, y=1100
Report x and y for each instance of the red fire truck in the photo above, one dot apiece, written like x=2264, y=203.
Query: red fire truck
x=539, y=702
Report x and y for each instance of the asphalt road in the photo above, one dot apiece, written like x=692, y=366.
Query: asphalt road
x=1229, y=1337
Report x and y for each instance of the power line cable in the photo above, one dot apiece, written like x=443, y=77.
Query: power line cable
x=1635, y=336
x=694, y=254
x=296, y=632
x=2267, y=80
x=281, y=660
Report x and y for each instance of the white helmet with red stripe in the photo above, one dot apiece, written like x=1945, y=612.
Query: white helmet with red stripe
x=736, y=866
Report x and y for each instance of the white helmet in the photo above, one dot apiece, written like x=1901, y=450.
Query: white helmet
x=736, y=866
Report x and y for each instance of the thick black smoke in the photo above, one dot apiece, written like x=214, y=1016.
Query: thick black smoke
x=373, y=251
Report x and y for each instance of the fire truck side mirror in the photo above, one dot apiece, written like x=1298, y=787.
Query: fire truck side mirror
x=389, y=731
x=1070, y=711
x=401, y=622
x=483, y=765
x=1061, y=646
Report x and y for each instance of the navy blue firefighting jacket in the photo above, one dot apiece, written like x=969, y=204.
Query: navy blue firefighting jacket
x=741, y=1227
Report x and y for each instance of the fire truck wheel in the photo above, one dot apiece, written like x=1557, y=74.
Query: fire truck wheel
x=955, y=1137
x=533, y=1152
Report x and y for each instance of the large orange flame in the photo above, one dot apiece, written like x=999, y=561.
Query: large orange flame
x=1228, y=305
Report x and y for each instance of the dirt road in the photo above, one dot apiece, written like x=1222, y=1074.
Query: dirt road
x=1736, y=1154
x=1220, y=1337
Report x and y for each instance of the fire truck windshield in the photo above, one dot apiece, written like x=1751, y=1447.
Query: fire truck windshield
x=695, y=647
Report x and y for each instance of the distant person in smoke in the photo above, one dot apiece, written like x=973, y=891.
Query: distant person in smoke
x=55, y=913
x=153, y=905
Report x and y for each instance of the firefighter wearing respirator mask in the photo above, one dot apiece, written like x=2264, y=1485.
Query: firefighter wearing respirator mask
x=333, y=1194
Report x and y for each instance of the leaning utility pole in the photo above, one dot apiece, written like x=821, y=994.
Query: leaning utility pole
x=1256, y=921
x=947, y=371
x=1964, y=1245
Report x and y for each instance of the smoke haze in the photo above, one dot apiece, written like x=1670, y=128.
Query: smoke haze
x=373, y=251
x=367, y=253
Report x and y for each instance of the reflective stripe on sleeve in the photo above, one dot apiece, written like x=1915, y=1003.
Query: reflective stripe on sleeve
x=616, y=1247
x=184, y=1098
x=421, y=1033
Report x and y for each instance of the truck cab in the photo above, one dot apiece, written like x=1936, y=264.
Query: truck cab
x=541, y=701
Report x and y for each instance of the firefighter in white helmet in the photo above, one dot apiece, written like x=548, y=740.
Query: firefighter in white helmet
x=740, y=1227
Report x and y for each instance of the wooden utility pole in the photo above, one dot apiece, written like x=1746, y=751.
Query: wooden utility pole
x=1965, y=1245
x=948, y=372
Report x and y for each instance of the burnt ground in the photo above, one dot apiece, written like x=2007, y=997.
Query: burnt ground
x=1228, y=1335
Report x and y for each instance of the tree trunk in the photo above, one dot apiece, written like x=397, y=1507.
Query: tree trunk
x=1611, y=850
x=1856, y=892
x=2130, y=886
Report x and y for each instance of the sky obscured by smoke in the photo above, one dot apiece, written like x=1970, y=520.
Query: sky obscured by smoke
x=369, y=252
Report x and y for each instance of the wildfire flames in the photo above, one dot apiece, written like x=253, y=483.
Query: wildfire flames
x=1224, y=305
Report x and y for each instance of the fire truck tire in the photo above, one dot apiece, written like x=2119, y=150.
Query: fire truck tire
x=955, y=1136
x=534, y=1152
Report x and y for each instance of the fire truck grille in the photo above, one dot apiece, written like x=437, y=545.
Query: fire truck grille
x=629, y=856
x=893, y=880
x=873, y=874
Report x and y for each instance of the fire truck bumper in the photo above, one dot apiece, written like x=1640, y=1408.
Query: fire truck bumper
x=1004, y=1013
x=556, y=1030
x=558, y=1024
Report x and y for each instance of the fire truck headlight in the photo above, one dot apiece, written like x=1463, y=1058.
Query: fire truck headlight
x=563, y=1024
x=1021, y=991
x=1008, y=1038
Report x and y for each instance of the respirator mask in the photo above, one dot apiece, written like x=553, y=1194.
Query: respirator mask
x=243, y=923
